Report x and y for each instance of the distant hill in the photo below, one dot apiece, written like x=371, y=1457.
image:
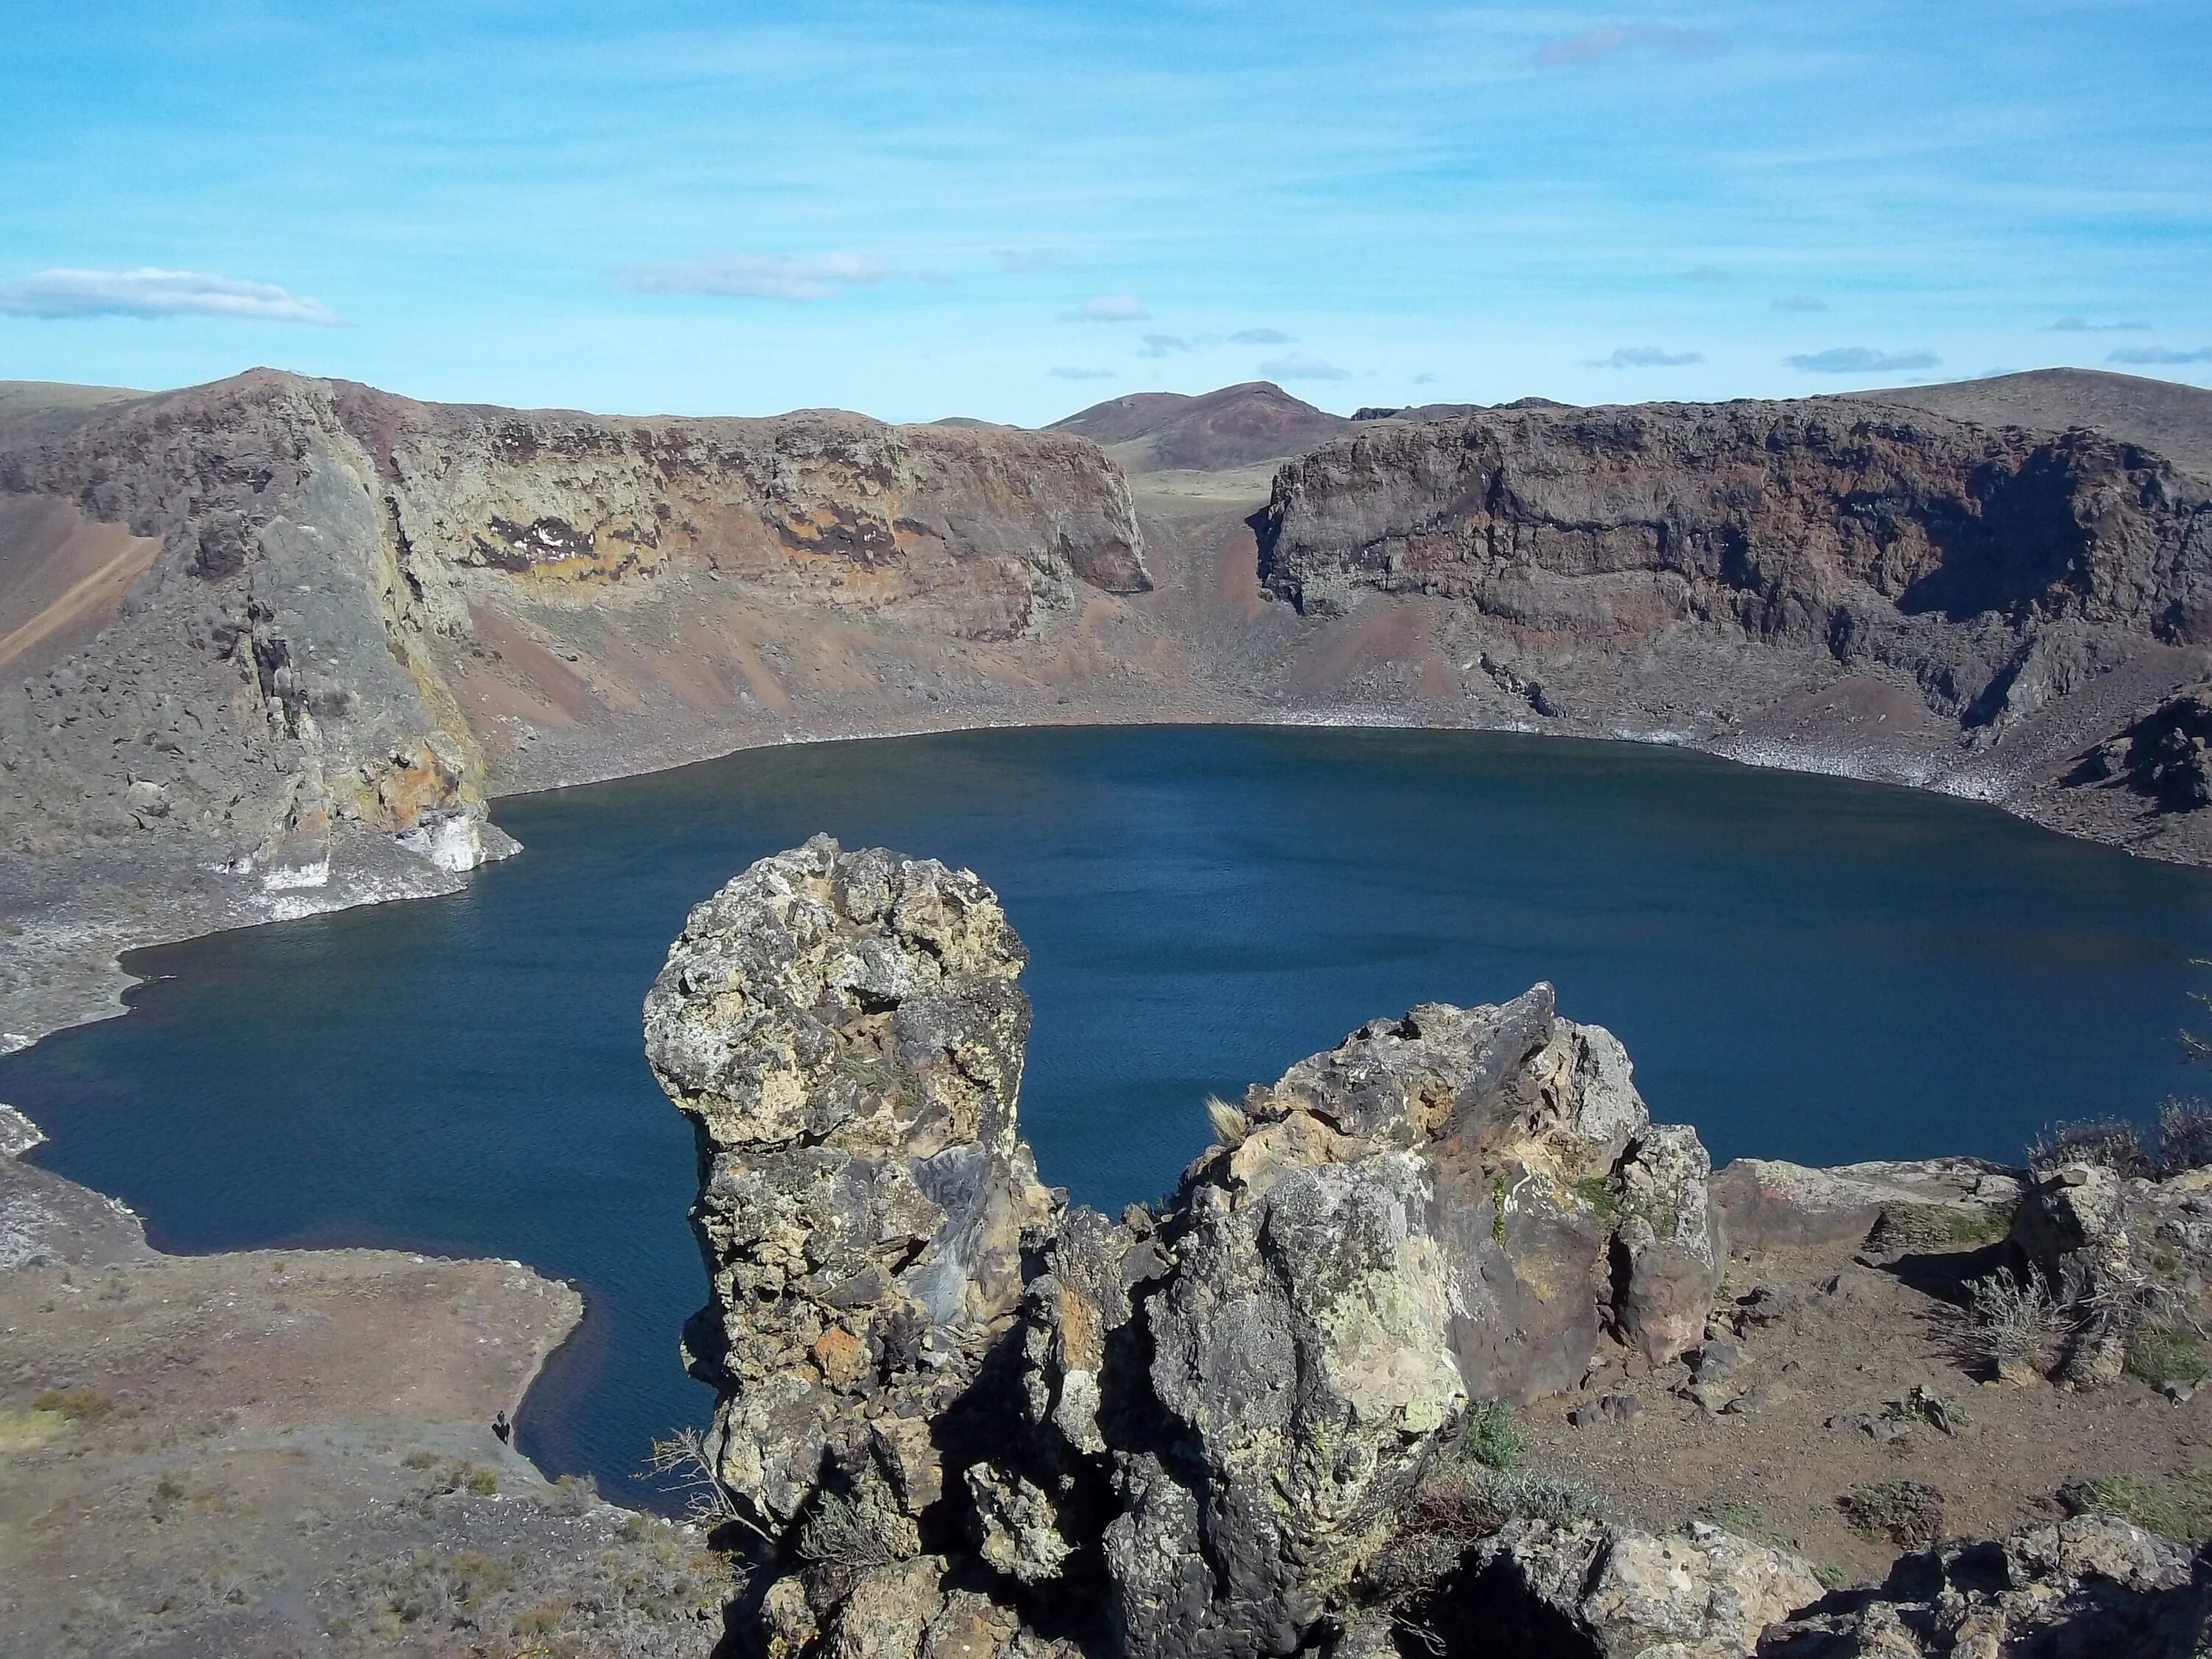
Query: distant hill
x=1237, y=426
x=2174, y=420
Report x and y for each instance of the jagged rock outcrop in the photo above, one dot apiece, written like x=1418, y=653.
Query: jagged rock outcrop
x=2127, y=1255
x=1193, y=1425
x=1990, y=570
x=1766, y=1204
x=844, y=1031
x=1591, y=1591
x=2162, y=755
x=2092, y=1585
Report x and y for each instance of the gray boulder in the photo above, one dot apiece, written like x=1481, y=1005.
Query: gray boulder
x=2091, y=1586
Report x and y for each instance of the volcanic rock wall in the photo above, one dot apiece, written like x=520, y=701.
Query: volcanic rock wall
x=1990, y=570
x=280, y=680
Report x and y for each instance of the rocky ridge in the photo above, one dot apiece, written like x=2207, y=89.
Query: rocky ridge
x=1616, y=562
x=268, y=646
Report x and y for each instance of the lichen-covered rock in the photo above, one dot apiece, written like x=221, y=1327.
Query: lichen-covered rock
x=2090, y=1586
x=1202, y=1421
x=1766, y=1204
x=2127, y=1253
x=1615, y=1593
x=845, y=1032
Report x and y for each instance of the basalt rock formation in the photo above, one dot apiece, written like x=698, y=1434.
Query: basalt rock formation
x=1602, y=553
x=313, y=551
x=1186, y=1430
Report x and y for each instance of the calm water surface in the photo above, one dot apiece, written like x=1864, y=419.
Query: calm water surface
x=1802, y=967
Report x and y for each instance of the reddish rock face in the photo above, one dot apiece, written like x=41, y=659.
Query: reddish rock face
x=1811, y=522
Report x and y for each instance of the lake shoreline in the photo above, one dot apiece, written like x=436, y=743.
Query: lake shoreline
x=74, y=939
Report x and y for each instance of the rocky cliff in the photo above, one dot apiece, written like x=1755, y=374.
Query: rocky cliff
x=267, y=646
x=1684, y=565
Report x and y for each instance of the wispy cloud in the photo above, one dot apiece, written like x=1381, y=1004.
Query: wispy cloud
x=1108, y=308
x=1299, y=366
x=1168, y=345
x=1066, y=373
x=1597, y=45
x=1712, y=274
x=2161, y=354
x=1424, y=379
x=148, y=292
x=1860, y=360
x=1645, y=357
x=1801, y=303
x=2083, y=325
x=1032, y=262
x=1261, y=336
x=762, y=276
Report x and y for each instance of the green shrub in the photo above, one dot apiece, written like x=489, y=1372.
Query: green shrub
x=77, y=1405
x=1491, y=1436
x=1909, y=1513
x=1597, y=1192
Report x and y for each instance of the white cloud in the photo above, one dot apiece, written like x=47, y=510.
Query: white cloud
x=2083, y=325
x=1801, y=303
x=1261, y=336
x=1860, y=360
x=1066, y=373
x=1705, y=274
x=1646, y=358
x=1596, y=45
x=762, y=276
x=1168, y=345
x=148, y=292
x=1108, y=308
x=2161, y=354
x=1298, y=366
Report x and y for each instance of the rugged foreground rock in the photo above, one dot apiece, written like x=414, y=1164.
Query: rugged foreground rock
x=1201, y=1422
x=959, y=1415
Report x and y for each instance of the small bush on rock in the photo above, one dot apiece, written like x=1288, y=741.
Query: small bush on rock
x=1909, y=1513
x=2113, y=1143
x=2185, y=1136
x=2012, y=1318
x=2177, y=1506
x=1491, y=1436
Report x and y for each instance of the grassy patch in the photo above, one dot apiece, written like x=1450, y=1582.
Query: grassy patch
x=2167, y=1353
x=2177, y=1506
x=21, y=1430
x=1597, y=1192
x=74, y=1405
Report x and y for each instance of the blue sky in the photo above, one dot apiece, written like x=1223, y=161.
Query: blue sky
x=1013, y=209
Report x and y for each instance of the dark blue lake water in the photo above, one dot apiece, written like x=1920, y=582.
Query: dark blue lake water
x=1802, y=967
